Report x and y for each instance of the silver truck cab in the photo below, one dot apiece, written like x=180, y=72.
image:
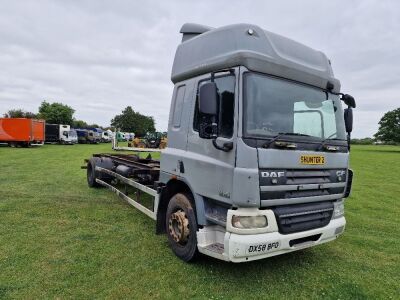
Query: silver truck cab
x=256, y=144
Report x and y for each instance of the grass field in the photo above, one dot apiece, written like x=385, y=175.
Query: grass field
x=60, y=239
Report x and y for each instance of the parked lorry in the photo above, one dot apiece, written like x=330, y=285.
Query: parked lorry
x=120, y=136
x=257, y=162
x=22, y=132
x=71, y=136
x=105, y=136
x=59, y=133
x=86, y=136
x=97, y=134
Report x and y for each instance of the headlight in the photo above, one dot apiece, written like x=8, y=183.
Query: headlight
x=249, y=222
x=338, y=209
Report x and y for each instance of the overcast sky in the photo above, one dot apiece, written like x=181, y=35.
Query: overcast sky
x=101, y=56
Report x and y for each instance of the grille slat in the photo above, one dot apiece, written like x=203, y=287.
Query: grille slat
x=307, y=180
x=301, y=217
x=300, y=183
x=308, y=173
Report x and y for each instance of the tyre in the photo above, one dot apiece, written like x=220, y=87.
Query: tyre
x=181, y=227
x=91, y=174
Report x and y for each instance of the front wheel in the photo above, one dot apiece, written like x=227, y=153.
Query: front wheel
x=181, y=227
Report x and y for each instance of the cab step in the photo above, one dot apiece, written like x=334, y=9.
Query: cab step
x=217, y=247
x=210, y=241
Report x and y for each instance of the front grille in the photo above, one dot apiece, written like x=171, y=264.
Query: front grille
x=301, y=217
x=307, y=176
x=301, y=183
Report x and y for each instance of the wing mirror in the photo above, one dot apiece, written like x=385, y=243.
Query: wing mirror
x=208, y=99
x=348, y=119
x=208, y=108
x=349, y=100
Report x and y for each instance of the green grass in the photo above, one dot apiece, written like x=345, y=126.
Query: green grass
x=60, y=239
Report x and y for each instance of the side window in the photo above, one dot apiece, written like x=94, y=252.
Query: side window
x=226, y=91
x=178, y=106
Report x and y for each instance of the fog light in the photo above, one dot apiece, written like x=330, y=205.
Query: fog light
x=249, y=222
x=338, y=209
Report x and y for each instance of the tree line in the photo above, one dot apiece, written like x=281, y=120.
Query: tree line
x=59, y=113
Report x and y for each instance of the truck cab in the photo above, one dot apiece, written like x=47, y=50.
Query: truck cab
x=257, y=162
x=105, y=136
x=257, y=143
x=67, y=136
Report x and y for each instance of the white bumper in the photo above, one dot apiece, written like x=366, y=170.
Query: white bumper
x=247, y=247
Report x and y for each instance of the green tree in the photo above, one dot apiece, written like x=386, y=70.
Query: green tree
x=389, y=127
x=94, y=126
x=79, y=124
x=20, y=113
x=132, y=121
x=83, y=124
x=57, y=113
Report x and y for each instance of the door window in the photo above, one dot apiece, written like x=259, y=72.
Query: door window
x=177, y=115
x=226, y=91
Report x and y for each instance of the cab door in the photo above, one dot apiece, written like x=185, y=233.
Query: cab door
x=212, y=168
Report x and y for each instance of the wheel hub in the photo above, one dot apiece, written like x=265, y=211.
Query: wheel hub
x=178, y=226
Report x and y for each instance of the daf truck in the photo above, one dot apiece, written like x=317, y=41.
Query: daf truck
x=257, y=162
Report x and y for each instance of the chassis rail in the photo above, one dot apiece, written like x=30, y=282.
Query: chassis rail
x=140, y=187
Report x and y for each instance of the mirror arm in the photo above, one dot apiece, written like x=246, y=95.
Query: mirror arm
x=228, y=146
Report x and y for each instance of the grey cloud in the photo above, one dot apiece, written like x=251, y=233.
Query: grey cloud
x=100, y=56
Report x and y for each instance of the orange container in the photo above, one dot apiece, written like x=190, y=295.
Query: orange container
x=21, y=131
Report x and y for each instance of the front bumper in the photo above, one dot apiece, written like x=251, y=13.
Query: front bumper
x=248, y=247
x=242, y=248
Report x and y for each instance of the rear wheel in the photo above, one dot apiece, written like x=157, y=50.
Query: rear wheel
x=181, y=227
x=91, y=174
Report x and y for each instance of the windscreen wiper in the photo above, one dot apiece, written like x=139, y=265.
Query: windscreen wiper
x=322, y=145
x=282, y=134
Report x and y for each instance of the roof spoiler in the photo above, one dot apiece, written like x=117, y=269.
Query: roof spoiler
x=191, y=30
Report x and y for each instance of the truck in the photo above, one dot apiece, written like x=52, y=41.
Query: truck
x=120, y=136
x=97, y=134
x=71, y=137
x=59, y=133
x=257, y=162
x=86, y=136
x=22, y=132
x=105, y=136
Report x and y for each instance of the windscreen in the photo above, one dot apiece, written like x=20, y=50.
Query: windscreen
x=274, y=106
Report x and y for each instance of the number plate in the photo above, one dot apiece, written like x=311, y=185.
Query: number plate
x=312, y=159
x=262, y=248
